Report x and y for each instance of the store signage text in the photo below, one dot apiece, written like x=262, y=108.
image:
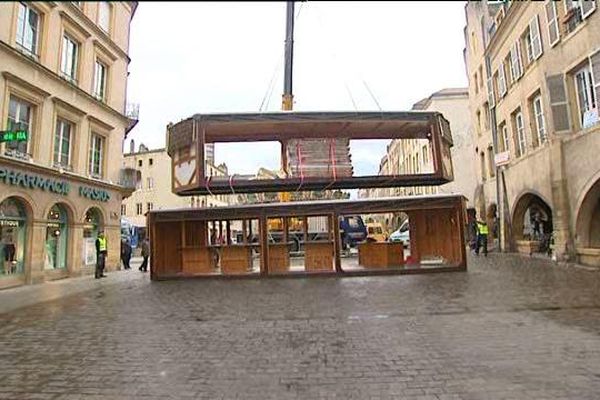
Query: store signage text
x=94, y=194
x=30, y=181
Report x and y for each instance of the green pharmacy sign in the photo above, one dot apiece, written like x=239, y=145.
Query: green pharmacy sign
x=13, y=136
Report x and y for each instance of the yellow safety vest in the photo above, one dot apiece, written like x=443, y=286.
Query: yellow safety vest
x=482, y=228
x=102, y=244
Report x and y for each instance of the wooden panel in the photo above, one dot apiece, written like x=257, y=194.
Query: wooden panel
x=197, y=260
x=380, y=255
x=167, y=245
x=318, y=256
x=195, y=233
x=279, y=258
x=435, y=233
x=236, y=259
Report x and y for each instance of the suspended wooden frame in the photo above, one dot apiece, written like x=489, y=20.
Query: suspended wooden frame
x=181, y=248
x=187, y=138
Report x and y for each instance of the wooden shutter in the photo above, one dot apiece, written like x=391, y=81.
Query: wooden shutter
x=519, y=63
x=536, y=40
x=552, y=19
x=558, y=102
x=595, y=66
x=501, y=80
x=491, y=94
x=587, y=7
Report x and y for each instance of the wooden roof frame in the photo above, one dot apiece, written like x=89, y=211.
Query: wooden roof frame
x=200, y=129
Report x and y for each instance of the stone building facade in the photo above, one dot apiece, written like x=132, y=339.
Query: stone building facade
x=534, y=86
x=63, y=80
x=154, y=190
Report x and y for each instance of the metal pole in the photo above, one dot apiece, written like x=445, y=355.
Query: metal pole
x=288, y=96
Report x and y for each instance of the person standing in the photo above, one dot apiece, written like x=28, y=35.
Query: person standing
x=125, y=253
x=101, y=252
x=145, y=254
x=482, y=237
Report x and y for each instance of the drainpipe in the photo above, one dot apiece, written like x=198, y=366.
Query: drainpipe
x=493, y=124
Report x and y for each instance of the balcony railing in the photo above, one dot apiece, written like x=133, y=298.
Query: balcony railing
x=132, y=111
x=129, y=177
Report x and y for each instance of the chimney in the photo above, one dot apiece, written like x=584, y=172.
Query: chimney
x=132, y=146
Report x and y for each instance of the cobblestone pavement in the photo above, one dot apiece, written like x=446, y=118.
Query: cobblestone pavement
x=509, y=328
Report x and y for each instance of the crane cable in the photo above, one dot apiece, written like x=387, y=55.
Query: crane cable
x=356, y=73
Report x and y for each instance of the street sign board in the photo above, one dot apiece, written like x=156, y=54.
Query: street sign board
x=13, y=136
x=502, y=158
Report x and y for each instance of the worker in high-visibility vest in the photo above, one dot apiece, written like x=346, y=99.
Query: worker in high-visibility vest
x=482, y=237
x=101, y=252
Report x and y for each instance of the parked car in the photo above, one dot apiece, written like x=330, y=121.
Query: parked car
x=375, y=232
x=353, y=230
x=402, y=234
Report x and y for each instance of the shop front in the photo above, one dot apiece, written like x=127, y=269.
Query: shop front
x=49, y=222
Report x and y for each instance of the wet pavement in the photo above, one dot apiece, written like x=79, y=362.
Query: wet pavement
x=508, y=328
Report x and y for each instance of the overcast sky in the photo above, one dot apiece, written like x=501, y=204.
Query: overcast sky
x=201, y=57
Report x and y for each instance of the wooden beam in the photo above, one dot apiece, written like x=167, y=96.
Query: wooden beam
x=264, y=245
x=228, y=230
x=336, y=243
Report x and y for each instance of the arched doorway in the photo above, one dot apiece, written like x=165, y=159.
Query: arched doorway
x=13, y=236
x=57, y=238
x=588, y=219
x=532, y=218
x=93, y=223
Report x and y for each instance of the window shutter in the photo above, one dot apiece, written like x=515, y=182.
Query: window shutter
x=558, y=102
x=519, y=64
x=551, y=17
x=587, y=7
x=491, y=94
x=595, y=61
x=536, y=40
x=501, y=80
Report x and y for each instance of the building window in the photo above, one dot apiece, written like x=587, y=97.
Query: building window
x=478, y=114
x=150, y=162
x=104, y=15
x=150, y=183
x=538, y=114
x=123, y=209
x=68, y=63
x=577, y=11
x=491, y=164
x=20, y=116
x=586, y=99
x=476, y=83
x=482, y=164
x=96, y=155
x=149, y=206
x=100, y=73
x=519, y=127
x=138, y=208
x=62, y=143
x=28, y=29
x=486, y=110
x=140, y=163
x=503, y=137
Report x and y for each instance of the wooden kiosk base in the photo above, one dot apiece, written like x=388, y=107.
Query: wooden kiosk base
x=179, y=238
x=380, y=254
